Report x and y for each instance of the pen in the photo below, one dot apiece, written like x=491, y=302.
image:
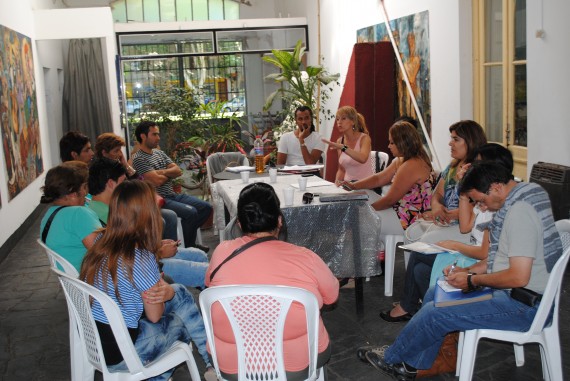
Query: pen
x=452, y=267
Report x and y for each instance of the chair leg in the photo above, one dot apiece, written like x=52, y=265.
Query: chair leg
x=468, y=353
x=180, y=232
x=459, y=352
x=199, y=236
x=550, y=353
x=389, y=259
x=519, y=354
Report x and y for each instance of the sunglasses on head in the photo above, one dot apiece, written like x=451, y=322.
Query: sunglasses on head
x=308, y=198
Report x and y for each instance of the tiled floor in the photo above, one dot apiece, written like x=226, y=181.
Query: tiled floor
x=34, y=330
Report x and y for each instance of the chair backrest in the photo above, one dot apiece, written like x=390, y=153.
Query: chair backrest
x=378, y=161
x=217, y=162
x=57, y=262
x=553, y=287
x=77, y=295
x=257, y=316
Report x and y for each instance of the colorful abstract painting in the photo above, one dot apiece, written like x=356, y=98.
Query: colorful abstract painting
x=412, y=37
x=18, y=111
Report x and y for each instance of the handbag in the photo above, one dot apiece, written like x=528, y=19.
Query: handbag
x=446, y=360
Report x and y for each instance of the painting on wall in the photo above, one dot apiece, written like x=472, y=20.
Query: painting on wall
x=412, y=37
x=18, y=111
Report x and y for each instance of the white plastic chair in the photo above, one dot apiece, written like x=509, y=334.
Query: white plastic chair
x=547, y=337
x=382, y=161
x=390, y=244
x=257, y=316
x=77, y=295
x=180, y=234
x=216, y=163
x=56, y=260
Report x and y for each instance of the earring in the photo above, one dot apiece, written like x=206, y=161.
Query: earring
x=353, y=128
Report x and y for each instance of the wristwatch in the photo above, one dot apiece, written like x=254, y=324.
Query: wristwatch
x=303, y=144
x=344, y=148
x=470, y=285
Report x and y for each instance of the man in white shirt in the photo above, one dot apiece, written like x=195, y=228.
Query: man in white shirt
x=302, y=146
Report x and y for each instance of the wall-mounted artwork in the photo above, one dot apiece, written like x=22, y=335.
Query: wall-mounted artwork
x=18, y=111
x=412, y=37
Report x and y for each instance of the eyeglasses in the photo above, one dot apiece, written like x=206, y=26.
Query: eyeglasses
x=308, y=198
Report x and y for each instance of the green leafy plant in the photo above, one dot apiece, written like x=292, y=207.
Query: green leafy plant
x=299, y=87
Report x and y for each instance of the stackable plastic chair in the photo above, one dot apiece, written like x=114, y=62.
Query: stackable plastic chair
x=547, y=337
x=257, y=316
x=58, y=262
x=78, y=295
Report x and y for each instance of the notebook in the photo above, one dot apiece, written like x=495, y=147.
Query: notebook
x=351, y=196
x=447, y=295
x=427, y=248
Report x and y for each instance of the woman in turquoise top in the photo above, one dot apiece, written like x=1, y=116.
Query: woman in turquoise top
x=72, y=229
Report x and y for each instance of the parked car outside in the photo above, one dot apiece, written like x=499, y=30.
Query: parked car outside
x=133, y=106
x=236, y=104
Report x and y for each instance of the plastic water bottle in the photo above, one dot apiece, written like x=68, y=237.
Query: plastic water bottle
x=258, y=147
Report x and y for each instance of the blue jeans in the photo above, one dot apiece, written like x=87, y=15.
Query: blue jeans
x=187, y=267
x=170, y=228
x=181, y=321
x=193, y=212
x=416, y=283
x=418, y=343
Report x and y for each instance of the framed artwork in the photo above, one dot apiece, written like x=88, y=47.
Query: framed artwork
x=411, y=34
x=18, y=111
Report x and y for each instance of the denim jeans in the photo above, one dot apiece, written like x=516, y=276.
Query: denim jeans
x=187, y=267
x=193, y=212
x=181, y=321
x=170, y=229
x=416, y=283
x=418, y=343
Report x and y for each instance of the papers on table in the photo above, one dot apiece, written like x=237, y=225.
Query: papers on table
x=301, y=168
x=311, y=184
x=240, y=168
x=427, y=248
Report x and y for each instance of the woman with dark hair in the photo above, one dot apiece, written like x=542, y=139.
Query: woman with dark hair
x=110, y=145
x=353, y=146
x=270, y=261
x=123, y=264
x=441, y=223
x=410, y=175
x=68, y=226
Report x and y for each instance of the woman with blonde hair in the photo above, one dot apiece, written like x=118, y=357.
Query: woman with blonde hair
x=353, y=146
x=123, y=264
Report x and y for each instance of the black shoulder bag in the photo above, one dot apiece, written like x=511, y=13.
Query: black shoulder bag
x=48, y=223
x=240, y=250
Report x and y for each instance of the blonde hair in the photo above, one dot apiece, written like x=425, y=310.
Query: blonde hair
x=356, y=117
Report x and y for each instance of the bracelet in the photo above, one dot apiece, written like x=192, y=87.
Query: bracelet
x=344, y=148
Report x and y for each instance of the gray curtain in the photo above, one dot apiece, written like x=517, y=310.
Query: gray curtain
x=85, y=99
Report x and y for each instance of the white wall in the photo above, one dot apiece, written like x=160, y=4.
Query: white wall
x=548, y=82
x=18, y=15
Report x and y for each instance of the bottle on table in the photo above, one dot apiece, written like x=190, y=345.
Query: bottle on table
x=258, y=148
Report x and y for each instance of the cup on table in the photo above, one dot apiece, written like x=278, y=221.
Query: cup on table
x=273, y=175
x=288, y=194
x=302, y=183
x=244, y=176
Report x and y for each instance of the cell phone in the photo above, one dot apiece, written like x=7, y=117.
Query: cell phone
x=306, y=175
x=178, y=243
x=346, y=187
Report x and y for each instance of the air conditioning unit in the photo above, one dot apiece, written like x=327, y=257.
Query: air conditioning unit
x=555, y=178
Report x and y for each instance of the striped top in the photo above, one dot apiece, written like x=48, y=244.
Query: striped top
x=145, y=275
x=145, y=162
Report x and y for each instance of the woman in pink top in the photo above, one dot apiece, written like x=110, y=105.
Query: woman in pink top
x=270, y=262
x=353, y=146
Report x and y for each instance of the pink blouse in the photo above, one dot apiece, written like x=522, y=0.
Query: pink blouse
x=353, y=170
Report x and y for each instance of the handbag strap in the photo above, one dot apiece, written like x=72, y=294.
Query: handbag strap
x=240, y=250
x=49, y=221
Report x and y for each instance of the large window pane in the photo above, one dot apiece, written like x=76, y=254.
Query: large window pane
x=493, y=31
x=120, y=11
x=520, y=30
x=166, y=43
x=494, y=103
x=216, y=9
x=200, y=9
x=184, y=10
x=520, y=106
x=259, y=40
x=135, y=11
x=167, y=10
x=231, y=10
x=151, y=11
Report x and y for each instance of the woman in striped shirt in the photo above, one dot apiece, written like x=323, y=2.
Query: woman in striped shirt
x=123, y=264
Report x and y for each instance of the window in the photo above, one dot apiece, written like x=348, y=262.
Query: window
x=174, y=10
x=500, y=74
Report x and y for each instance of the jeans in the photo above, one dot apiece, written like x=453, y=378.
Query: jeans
x=170, y=229
x=187, y=267
x=418, y=343
x=416, y=283
x=181, y=321
x=193, y=212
